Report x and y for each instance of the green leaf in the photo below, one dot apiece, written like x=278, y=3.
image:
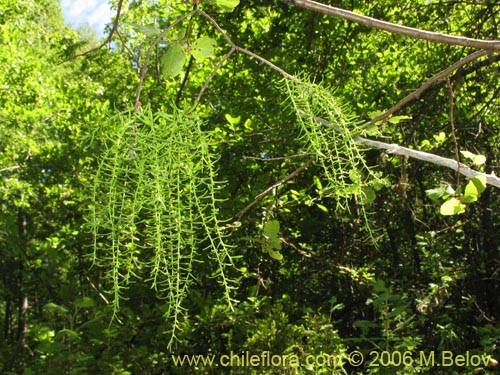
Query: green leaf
x=440, y=138
x=203, y=48
x=273, y=243
x=271, y=228
x=226, y=5
x=321, y=207
x=375, y=114
x=232, y=120
x=317, y=182
x=397, y=119
x=474, y=188
x=150, y=30
x=440, y=192
x=476, y=159
x=53, y=308
x=173, y=60
x=275, y=254
x=452, y=206
x=68, y=333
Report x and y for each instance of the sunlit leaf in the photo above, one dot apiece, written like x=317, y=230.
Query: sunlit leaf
x=273, y=243
x=203, y=48
x=476, y=159
x=474, y=188
x=398, y=119
x=173, y=60
x=452, y=206
x=317, y=182
x=440, y=138
x=321, y=207
x=440, y=192
x=232, y=120
x=148, y=30
x=226, y=5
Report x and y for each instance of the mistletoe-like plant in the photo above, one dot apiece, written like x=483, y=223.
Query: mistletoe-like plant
x=330, y=133
x=154, y=210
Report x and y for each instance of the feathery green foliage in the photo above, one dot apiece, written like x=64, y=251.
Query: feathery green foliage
x=154, y=209
x=328, y=131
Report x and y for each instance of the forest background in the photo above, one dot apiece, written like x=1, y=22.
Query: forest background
x=217, y=177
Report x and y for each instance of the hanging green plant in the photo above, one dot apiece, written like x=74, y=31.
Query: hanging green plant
x=329, y=131
x=154, y=208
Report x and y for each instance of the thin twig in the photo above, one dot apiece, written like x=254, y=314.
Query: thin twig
x=243, y=50
x=184, y=80
x=492, y=45
x=131, y=54
x=452, y=124
x=416, y=94
x=110, y=36
x=274, y=186
x=99, y=293
x=277, y=158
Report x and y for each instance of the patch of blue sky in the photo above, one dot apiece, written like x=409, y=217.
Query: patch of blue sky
x=96, y=13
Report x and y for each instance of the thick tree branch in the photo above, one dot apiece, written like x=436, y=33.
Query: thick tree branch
x=431, y=158
x=438, y=76
x=492, y=45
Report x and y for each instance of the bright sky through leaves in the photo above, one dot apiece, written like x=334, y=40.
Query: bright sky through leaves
x=96, y=13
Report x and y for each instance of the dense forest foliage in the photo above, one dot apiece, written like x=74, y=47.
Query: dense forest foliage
x=282, y=187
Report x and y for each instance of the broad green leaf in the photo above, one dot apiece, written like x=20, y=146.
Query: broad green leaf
x=452, y=206
x=375, y=114
x=203, y=48
x=148, y=30
x=53, y=308
x=476, y=159
x=272, y=228
x=68, y=333
x=474, y=188
x=226, y=5
x=173, y=60
x=398, y=119
x=275, y=254
x=479, y=160
x=232, y=120
x=440, y=138
x=273, y=243
x=440, y=192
